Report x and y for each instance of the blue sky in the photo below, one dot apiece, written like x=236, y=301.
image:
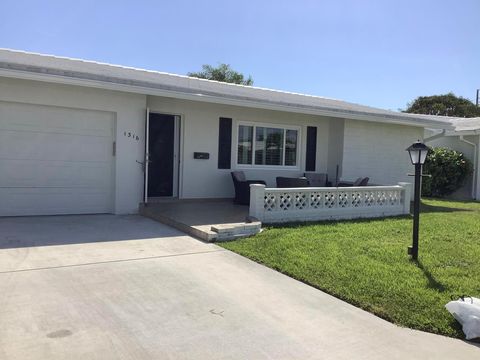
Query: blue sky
x=378, y=53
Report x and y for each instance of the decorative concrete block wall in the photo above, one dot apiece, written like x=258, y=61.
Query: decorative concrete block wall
x=273, y=205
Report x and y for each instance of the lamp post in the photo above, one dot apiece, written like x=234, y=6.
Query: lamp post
x=418, y=153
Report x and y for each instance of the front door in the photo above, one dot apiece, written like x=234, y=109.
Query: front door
x=161, y=155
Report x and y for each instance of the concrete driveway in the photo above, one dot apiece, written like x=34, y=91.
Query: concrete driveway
x=126, y=287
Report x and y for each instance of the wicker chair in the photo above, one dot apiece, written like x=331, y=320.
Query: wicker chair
x=242, y=187
x=359, y=182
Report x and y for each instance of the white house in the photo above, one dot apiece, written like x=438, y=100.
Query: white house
x=74, y=134
x=465, y=137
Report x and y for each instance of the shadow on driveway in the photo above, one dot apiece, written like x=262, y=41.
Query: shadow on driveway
x=21, y=232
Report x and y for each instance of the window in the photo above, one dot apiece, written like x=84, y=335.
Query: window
x=245, y=136
x=267, y=146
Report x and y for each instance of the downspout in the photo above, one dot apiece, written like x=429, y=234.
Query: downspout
x=474, y=179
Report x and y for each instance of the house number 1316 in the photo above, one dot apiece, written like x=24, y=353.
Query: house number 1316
x=131, y=135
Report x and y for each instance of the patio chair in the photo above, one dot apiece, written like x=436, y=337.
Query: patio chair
x=288, y=182
x=242, y=187
x=317, y=179
x=359, y=182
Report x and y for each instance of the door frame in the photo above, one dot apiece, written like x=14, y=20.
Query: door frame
x=177, y=153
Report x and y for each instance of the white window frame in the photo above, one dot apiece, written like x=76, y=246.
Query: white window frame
x=268, y=125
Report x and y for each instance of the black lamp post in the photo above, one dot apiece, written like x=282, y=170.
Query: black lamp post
x=418, y=153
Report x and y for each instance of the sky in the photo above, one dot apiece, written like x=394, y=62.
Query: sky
x=382, y=53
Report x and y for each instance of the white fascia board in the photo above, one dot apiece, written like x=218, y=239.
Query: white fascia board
x=462, y=132
x=433, y=124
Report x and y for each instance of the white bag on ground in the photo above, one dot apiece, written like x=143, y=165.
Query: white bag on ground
x=467, y=312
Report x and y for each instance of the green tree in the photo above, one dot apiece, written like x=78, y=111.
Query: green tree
x=444, y=105
x=223, y=73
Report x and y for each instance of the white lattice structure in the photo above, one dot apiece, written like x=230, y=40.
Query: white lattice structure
x=271, y=205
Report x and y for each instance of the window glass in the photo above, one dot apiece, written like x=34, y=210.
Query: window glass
x=291, y=148
x=245, y=140
x=259, y=145
x=268, y=146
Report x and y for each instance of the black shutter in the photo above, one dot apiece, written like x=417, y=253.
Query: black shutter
x=311, y=157
x=224, y=143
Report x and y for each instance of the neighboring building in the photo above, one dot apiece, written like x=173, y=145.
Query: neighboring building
x=73, y=136
x=465, y=137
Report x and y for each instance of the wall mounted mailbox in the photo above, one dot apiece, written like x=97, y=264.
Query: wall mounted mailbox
x=201, y=155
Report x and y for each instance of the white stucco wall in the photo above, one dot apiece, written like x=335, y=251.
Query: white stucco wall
x=453, y=142
x=129, y=114
x=202, y=178
x=335, y=148
x=368, y=149
x=378, y=151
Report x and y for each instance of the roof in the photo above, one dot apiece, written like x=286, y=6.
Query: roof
x=466, y=124
x=460, y=126
x=26, y=65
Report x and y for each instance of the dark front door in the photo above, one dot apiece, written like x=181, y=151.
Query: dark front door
x=161, y=139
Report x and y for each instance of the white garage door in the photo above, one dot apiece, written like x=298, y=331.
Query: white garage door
x=55, y=160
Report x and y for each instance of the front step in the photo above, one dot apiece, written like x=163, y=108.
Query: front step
x=236, y=230
x=210, y=233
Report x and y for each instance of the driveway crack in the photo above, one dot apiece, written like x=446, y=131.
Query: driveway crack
x=112, y=261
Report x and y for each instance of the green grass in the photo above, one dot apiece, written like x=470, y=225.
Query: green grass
x=365, y=262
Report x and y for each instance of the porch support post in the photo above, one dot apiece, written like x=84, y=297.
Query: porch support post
x=407, y=196
x=257, y=195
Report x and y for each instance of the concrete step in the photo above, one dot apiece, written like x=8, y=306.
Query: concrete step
x=198, y=232
x=236, y=230
x=210, y=233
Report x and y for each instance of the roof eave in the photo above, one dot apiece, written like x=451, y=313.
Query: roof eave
x=219, y=99
x=463, y=132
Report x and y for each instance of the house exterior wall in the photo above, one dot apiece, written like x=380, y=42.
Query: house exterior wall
x=359, y=148
x=335, y=148
x=129, y=115
x=454, y=143
x=199, y=129
x=378, y=151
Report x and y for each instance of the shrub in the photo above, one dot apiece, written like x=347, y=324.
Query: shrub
x=449, y=170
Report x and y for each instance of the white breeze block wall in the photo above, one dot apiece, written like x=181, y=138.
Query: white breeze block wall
x=328, y=203
x=378, y=151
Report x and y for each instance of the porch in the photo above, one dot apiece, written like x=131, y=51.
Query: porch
x=217, y=220
x=206, y=219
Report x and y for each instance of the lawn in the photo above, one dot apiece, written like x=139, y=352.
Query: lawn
x=365, y=262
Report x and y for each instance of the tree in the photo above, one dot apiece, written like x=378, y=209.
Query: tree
x=223, y=73
x=444, y=105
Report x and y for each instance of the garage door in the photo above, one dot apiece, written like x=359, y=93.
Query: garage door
x=55, y=160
